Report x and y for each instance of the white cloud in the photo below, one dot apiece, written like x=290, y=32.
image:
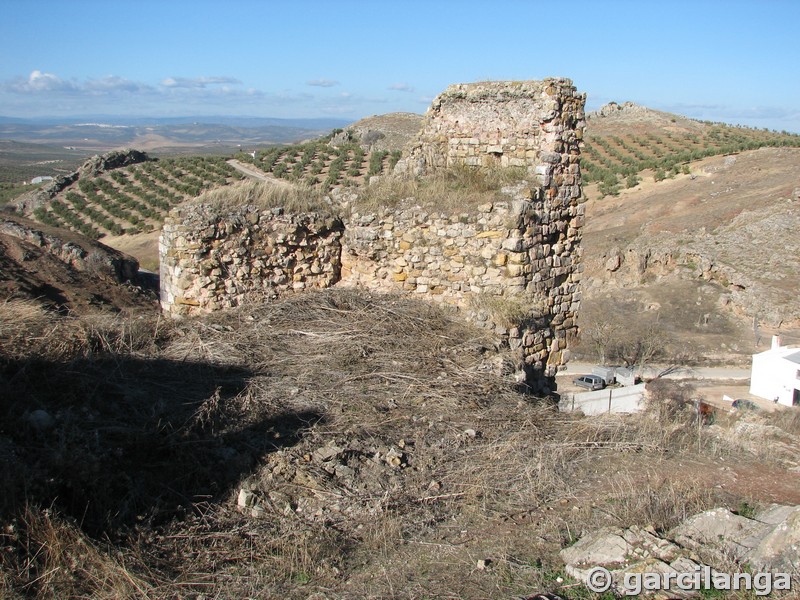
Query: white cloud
x=114, y=83
x=197, y=82
x=38, y=82
x=322, y=82
x=401, y=87
x=43, y=93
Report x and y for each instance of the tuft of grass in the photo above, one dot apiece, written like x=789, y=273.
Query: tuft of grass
x=62, y=561
x=788, y=420
x=294, y=198
x=661, y=504
x=29, y=330
x=450, y=190
x=508, y=311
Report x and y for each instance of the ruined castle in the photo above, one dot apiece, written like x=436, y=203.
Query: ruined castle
x=512, y=263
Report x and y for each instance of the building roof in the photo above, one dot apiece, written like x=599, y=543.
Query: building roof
x=789, y=353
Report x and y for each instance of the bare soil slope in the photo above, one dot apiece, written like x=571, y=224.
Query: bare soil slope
x=66, y=271
x=712, y=255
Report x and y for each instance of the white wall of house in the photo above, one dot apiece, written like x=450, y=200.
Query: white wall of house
x=615, y=400
x=776, y=374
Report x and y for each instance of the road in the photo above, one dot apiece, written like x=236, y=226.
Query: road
x=695, y=373
x=255, y=173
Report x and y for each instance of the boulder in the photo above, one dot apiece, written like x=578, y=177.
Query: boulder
x=112, y=160
x=768, y=542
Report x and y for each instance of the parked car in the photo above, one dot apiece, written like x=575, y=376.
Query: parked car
x=743, y=404
x=590, y=382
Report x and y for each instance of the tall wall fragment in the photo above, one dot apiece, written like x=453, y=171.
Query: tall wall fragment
x=501, y=123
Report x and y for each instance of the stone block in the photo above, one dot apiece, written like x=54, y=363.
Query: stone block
x=516, y=270
x=514, y=244
x=186, y=301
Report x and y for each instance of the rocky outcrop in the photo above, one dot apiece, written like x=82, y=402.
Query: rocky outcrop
x=63, y=270
x=608, y=115
x=388, y=132
x=614, y=109
x=753, y=286
x=93, y=257
x=707, y=546
x=30, y=201
x=93, y=167
x=116, y=159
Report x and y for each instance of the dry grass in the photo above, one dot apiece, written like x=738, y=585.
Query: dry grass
x=788, y=420
x=28, y=330
x=508, y=311
x=454, y=189
x=268, y=195
x=61, y=561
x=659, y=503
x=385, y=453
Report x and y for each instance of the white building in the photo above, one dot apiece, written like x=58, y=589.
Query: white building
x=776, y=374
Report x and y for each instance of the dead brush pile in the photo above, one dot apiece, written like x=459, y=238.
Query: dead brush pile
x=334, y=442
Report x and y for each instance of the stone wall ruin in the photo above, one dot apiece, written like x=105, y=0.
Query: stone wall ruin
x=534, y=124
x=512, y=263
x=212, y=259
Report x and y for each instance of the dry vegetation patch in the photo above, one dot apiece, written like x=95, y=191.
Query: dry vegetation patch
x=267, y=195
x=337, y=443
x=454, y=189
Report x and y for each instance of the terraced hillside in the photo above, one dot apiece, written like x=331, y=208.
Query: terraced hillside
x=628, y=143
x=318, y=163
x=133, y=199
x=625, y=145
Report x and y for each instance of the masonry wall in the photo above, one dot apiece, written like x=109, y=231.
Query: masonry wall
x=214, y=258
x=512, y=265
x=500, y=123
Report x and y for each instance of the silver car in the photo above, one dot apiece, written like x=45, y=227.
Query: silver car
x=590, y=382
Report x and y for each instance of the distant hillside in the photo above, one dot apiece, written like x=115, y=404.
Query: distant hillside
x=187, y=134
x=626, y=143
x=22, y=161
x=689, y=226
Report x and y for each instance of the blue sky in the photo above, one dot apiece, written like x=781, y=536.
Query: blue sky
x=724, y=60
